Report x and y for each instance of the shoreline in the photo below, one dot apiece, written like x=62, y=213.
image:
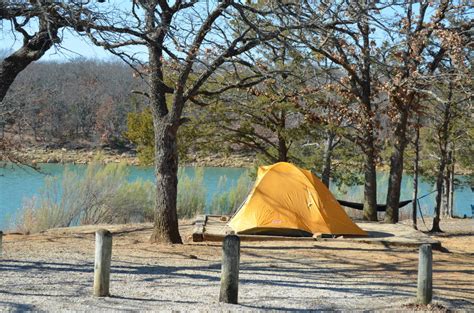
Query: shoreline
x=37, y=155
x=85, y=156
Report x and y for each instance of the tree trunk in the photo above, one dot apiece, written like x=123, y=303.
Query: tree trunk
x=370, y=187
x=326, y=174
x=446, y=188
x=415, y=174
x=370, y=191
x=282, y=146
x=166, y=154
x=396, y=169
x=282, y=149
x=443, y=135
x=451, y=189
x=439, y=192
x=166, y=170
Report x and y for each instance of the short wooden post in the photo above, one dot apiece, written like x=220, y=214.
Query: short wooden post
x=1, y=239
x=103, y=255
x=425, y=275
x=230, y=269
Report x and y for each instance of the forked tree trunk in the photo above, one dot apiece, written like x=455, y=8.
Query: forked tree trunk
x=396, y=169
x=166, y=155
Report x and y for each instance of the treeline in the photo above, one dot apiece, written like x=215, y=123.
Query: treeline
x=80, y=103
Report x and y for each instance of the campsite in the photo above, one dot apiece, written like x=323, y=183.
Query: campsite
x=317, y=259
x=54, y=272
x=229, y=155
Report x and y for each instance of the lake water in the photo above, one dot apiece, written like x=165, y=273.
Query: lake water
x=18, y=184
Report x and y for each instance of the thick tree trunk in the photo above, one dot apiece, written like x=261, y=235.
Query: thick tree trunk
x=166, y=155
x=326, y=174
x=166, y=170
x=396, y=169
x=370, y=187
x=34, y=49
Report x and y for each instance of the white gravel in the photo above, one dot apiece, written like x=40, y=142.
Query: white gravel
x=56, y=274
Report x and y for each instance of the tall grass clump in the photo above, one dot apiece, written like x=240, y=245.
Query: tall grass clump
x=191, y=193
x=225, y=202
x=100, y=195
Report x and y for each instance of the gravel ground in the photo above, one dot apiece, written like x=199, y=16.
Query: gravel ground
x=54, y=272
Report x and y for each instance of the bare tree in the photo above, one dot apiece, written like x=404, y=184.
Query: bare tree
x=403, y=72
x=349, y=48
x=198, y=41
x=22, y=15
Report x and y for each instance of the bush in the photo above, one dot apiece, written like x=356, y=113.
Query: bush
x=226, y=202
x=191, y=194
x=101, y=195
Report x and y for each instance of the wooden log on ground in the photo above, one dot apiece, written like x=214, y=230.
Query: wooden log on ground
x=103, y=256
x=230, y=269
x=425, y=275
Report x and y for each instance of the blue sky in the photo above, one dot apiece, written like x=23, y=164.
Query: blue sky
x=72, y=47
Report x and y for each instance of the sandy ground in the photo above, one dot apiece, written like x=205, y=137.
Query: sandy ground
x=54, y=272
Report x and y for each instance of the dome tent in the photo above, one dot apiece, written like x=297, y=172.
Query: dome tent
x=287, y=200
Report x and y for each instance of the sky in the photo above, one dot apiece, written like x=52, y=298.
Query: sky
x=72, y=47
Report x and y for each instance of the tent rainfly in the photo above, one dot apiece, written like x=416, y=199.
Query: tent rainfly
x=288, y=200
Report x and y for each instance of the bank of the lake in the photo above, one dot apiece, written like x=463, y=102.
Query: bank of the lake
x=37, y=155
x=18, y=184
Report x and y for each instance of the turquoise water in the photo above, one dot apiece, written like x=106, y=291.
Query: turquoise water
x=18, y=184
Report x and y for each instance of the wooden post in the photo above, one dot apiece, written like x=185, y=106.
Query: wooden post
x=230, y=269
x=103, y=255
x=425, y=275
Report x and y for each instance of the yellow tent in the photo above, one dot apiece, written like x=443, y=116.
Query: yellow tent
x=288, y=200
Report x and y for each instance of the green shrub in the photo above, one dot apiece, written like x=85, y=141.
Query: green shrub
x=226, y=202
x=101, y=195
x=191, y=194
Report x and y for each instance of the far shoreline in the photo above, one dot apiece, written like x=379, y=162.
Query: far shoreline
x=37, y=156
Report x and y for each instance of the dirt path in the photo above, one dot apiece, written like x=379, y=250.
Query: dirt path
x=53, y=272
